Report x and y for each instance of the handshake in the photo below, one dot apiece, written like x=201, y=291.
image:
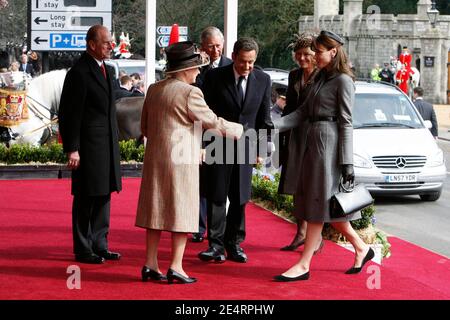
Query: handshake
x=268, y=125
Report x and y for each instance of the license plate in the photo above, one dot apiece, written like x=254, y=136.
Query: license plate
x=396, y=178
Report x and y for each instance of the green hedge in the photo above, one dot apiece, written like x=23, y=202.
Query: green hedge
x=53, y=153
x=265, y=187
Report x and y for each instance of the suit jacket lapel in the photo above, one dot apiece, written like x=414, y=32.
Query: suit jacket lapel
x=230, y=84
x=98, y=75
x=251, y=87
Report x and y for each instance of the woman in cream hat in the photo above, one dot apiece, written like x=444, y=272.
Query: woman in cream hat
x=169, y=194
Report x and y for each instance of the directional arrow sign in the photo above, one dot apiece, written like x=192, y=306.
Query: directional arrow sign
x=59, y=41
x=59, y=25
x=59, y=21
x=62, y=5
x=38, y=20
x=163, y=41
x=39, y=40
x=165, y=30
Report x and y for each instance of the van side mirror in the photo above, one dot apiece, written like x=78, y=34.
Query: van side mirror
x=428, y=124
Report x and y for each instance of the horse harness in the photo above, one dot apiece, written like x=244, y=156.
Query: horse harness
x=7, y=134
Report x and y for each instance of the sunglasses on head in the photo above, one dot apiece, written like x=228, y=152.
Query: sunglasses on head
x=333, y=36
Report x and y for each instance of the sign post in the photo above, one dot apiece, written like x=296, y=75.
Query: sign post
x=61, y=25
x=163, y=33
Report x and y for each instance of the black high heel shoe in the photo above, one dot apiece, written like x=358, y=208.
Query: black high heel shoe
x=152, y=274
x=281, y=278
x=319, y=249
x=294, y=245
x=173, y=275
x=369, y=256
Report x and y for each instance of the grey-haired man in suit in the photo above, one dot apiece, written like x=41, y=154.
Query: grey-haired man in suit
x=88, y=128
x=212, y=41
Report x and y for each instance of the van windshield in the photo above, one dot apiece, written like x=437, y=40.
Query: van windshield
x=374, y=110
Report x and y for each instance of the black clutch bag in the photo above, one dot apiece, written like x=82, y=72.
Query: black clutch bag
x=350, y=199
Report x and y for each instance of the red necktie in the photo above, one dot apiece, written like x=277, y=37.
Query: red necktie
x=103, y=69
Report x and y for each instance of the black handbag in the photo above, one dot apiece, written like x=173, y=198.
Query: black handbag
x=349, y=200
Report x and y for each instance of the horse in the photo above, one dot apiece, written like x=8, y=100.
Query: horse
x=415, y=77
x=43, y=96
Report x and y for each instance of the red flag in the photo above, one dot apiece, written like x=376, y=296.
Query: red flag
x=174, y=34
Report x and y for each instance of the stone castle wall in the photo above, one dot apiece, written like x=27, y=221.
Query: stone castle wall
x=374, y=39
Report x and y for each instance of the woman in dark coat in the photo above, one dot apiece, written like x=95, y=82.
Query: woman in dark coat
x=328, y=153
x=291, y=142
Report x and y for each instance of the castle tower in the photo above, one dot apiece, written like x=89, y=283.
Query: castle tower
x=325, y=8
x=422, y=8
x=352, y=9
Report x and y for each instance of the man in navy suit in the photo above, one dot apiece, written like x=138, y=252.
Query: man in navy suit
x=426, y=110
x=242, y=94
x=212, y=44
x=88, y=128
x=25, y=66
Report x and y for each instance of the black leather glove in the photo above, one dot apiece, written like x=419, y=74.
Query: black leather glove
x=268, y=125
x=348, y=174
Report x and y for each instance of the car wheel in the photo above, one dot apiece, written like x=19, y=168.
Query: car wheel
x=431, y=196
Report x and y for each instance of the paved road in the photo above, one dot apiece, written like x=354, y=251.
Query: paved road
x=426, y=224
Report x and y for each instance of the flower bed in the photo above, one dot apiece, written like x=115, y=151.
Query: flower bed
x=265, y=194
x=50, y=162
x=54, y=154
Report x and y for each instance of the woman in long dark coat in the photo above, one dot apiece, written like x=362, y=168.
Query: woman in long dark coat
x=328, y=153
x=291, y=142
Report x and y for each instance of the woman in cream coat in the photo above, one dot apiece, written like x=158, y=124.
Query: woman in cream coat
x=173, y=119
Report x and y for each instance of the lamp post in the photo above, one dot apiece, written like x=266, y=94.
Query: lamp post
x=433, y=13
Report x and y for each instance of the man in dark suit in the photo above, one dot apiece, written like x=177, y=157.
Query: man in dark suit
x=426, y=110
x=25, y=66
x=88, y=128
x=124, y=91
x=238, y=93
x=212, y=44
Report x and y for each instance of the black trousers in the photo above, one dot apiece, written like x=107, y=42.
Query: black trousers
x=90, y=223
x=227, y=230
x=202, y=216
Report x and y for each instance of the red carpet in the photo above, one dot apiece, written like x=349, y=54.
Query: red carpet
x=36, y=249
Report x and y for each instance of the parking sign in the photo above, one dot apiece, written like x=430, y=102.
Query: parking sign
x=61, y=25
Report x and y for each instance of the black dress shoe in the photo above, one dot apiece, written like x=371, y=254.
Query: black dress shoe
x=91, y=258
x=294, y=245
x=212, y=254
x=109, y=255
x=173, y=275
x=281, y=278
x=369, y=256
x=197, y=237
x=236, y=254
x=152, y=274
x=319, y=249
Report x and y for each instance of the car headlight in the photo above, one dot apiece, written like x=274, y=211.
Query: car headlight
x=361, y=162
x=437, y=159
